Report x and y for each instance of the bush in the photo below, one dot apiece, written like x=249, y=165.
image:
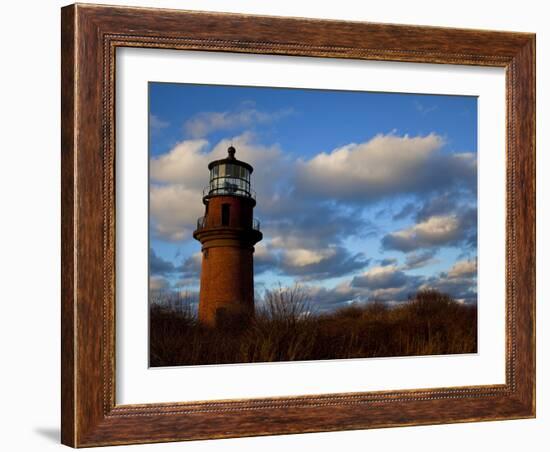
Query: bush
x=286, y=305
x=286, y=328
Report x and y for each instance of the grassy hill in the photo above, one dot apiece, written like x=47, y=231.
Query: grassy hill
x=286, y=329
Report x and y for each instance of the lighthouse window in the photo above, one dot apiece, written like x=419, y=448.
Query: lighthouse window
x=225, y=214
x=233, y=170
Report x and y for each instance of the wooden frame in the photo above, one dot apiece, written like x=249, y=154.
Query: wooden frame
x=90, y=35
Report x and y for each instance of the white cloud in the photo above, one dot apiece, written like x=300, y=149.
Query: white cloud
x=463, y=269
x=420, y=259
x=185, y=164
x=156, y=124
x=391, y=283
x=460, y=281
x=323, y=299
x=385, y=165
x=301, y=257
x=424, y=109
x=158, y=283
x=205, y=123
x=261, y=251
x=437, y=230
x=191, y=267
x=174, y=210
x=382, y=277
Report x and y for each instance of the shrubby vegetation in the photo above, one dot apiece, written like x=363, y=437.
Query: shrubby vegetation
x=286, y=328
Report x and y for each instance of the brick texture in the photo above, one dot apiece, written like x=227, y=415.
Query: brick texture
x=227, y=274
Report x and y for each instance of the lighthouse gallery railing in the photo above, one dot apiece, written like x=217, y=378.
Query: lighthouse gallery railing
x=201, y=223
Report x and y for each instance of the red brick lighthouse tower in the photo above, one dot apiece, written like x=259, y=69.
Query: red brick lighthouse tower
x=228, y=233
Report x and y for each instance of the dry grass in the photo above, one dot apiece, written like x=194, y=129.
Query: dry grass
x=286, y=329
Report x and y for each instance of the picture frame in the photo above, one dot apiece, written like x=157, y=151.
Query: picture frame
x=90, y=36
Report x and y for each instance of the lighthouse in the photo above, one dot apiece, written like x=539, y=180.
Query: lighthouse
x=228, y=233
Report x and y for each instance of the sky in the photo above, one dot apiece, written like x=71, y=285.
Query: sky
x=362, y=196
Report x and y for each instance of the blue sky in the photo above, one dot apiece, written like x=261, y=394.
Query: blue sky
x=362, y=196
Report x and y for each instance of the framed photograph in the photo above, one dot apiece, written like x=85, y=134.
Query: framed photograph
x=282, y=225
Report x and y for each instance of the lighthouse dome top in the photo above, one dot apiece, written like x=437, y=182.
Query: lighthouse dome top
x=230, y=159
x=229, y=176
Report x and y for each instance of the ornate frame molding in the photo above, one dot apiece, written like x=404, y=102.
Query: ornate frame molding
x=90, y=37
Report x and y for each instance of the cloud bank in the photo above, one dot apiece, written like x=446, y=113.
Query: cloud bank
x=205, y=123
x=386, y=165
x=317, y=214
